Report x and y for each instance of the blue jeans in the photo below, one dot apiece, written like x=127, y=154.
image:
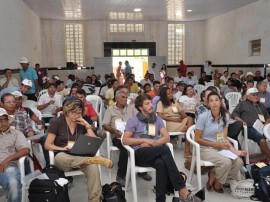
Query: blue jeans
x=10, y=180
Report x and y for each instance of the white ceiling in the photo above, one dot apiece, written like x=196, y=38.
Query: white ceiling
x=163, y=10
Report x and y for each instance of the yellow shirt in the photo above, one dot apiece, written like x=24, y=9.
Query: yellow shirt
x=134, y=88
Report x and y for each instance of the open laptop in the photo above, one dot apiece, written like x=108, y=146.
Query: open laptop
x=86, y=146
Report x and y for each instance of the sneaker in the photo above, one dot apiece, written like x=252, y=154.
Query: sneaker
x=121, y=181
x=145, y=176
x=190, y=198
x=108, y=163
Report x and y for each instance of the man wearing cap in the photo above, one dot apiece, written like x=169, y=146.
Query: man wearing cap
x=183, y=68
x=13, y=146
x=8, y=80
x=23, y=88
x=249, y=112
x=30, y=73
x=250, y=77
x=21, y=121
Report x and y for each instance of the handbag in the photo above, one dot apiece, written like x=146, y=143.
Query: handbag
x=243, y=188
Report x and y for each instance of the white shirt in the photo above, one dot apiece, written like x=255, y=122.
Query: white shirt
x=190, y=81
x=143, y=82
x=177, y=79
x=189, y=103
x=46, y=98
x=153, y=71
x=208, y=69
x=12, y=82
x=177, y=95
x=103, y=91
x=224, y=79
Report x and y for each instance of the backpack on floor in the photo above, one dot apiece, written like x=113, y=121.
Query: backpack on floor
x=113, y=193
x=48, y=190
x=261, y=178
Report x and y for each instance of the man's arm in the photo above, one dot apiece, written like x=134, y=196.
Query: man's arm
x=22, y=152
x=129, y=140
x=112, y=130
x=37, y=86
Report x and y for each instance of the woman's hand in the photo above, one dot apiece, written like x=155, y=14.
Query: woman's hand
x=240, y=153
x=222, y=145
x=67, y=148
x=81, y=121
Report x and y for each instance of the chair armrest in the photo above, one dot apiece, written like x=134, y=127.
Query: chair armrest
x=171, y=148
x=51, y=155
x=21, y=167
x=234, y=142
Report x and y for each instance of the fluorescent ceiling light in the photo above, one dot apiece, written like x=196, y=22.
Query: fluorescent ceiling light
x=189, y=10
x=137, y=10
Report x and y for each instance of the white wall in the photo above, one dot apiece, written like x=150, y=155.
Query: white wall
x=19, y=34
x=227, y=36
x=97, y=32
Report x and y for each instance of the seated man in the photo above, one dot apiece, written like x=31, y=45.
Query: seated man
x=249, y=112
x=89, y=110
x=21, y=120
x=13, y=146
x=120, y=112
x=50, y=103
x=142, y=134
x=155, y=91
x=109, y=97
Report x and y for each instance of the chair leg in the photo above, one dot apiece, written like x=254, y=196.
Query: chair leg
x=127, y=176
x=199, y=176
x=133, y=183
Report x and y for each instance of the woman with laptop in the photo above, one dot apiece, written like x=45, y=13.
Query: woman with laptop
x=63, y=133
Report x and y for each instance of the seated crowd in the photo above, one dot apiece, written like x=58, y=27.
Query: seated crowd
x=151, y=109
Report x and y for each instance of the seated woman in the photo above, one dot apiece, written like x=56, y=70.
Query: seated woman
x=175, y=117
x=62, y=133
x=211, y=133
x=146, y=134
x=189, y=101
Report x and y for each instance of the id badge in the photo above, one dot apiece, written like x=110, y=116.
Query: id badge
x=220, y=137
x=262, y=100
x=191, y=106
x=71, y=143
x=261, y=117
x=118, y=120
x=174, y=109
x=151, y=129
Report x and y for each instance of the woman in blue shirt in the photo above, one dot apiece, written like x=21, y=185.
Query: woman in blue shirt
x=211, y=133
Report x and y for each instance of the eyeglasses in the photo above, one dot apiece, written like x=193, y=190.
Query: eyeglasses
x=76, y=113
x=10, y=102
x=3, y=121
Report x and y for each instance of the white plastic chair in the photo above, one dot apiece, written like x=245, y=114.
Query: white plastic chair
x=132, y=169
x=22, y=172
x=133, y=95
x=266, y=131
x=233, y=99
x=179, y=134
x=97, y=89
x=98, y=105
x=110, y=148
x=196, y=157
x=29, y=104
x=199, y=88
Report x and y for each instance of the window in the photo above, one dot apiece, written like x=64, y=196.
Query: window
x=74, y=43
x=175, y=43
x=129, y=52
x=129, y=27
x=255, y=47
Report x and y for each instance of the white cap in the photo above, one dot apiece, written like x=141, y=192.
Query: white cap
x=44, y=79
x=3, y=112
x=23, y=60
x=249, y=74
x=252, y=91
x=27, y=82
x=17, y=93
x=56, y=77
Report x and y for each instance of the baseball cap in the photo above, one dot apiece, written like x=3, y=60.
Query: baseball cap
x=252, y=91
x=17, y=93
x=44, y=79
x=27, y=82
x=3, y=112
x=23, y=60
x=249, y=74
x=56, y=77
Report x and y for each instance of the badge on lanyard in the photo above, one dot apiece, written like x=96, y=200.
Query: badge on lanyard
x=174, y=109
x=118, y=120
x=262, y=100
x=220, y=137
x=71, y=143
x=261, y=117
x=151, y=129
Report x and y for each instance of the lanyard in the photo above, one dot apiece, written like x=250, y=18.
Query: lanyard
x=68, y=133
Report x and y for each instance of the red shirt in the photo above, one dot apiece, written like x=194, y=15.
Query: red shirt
x=183, y=69
x=89, y=110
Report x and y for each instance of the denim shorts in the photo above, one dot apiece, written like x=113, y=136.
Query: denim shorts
x=254, y=135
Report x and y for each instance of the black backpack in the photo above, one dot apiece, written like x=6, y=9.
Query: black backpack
x=47, y=190
x=113, y=193
x=261, y=178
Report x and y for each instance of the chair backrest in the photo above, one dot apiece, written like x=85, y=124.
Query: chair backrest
x=233, y=99
x=132, y=95
x=266, y=131
x=29, y=104
x=199, y=88
x=98, y=105
x=39, y=115
x=42, y=92
x=97, y=89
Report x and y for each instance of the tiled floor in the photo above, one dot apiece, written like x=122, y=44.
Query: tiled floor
x=78, y=192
